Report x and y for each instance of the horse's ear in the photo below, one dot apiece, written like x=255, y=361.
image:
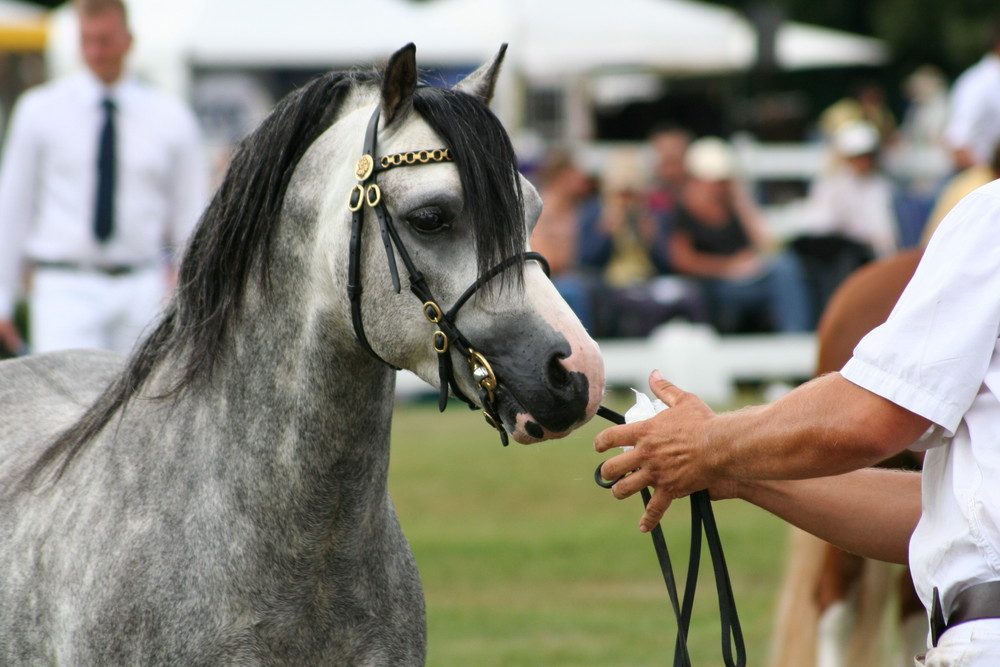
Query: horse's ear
x=398, y=83
x=483, y=82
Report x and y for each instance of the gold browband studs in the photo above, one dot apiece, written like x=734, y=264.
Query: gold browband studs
x=366, y=166
x=415, y=157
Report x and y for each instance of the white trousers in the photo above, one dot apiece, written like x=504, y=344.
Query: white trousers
x=972, y=644
x=73, y=308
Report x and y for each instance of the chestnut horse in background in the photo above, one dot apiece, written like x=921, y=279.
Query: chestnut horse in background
x=832, y=603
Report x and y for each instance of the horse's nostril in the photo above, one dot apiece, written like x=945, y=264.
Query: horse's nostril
x=559, y=377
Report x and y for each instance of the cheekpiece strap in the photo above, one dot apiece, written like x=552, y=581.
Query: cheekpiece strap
x=360, y=195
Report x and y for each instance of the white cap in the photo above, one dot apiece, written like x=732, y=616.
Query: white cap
x=710, y=159
x=856, y=138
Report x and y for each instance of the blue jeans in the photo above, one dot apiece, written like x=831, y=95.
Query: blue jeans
x=778, y=298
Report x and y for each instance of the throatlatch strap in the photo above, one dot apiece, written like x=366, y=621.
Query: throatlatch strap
x=701, y=516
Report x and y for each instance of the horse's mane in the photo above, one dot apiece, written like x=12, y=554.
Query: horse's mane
x=231, y=244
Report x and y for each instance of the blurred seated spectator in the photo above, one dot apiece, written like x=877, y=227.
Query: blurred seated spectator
x=720, y=238
x=564, y=187
x=850, y=211
x=625, y=242
x=866, y=102
x=669, y=143
x=926, y=115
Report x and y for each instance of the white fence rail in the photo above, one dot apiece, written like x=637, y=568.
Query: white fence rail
x=693, y=357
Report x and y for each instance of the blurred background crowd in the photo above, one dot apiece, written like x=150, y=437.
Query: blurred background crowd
x=727, y=163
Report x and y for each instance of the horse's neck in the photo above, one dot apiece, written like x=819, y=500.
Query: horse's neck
x=295, y=433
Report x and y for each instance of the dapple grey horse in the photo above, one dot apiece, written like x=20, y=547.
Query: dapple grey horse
x=220, y=496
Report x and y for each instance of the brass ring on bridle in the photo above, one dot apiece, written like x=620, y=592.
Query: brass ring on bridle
x=432, y=312
x=356, y=199
x=440, y=342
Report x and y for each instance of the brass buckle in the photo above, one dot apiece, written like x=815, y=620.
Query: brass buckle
x=373, y=200
x=482, y=373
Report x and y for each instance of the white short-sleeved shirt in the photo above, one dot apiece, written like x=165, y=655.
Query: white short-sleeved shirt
x=937, y=356
x=49, y=174
x=974, y=109
x=855, y=205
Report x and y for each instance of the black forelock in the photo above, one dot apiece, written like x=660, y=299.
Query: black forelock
x=487, y=168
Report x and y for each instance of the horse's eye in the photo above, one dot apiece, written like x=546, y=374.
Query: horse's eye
x=428, y=220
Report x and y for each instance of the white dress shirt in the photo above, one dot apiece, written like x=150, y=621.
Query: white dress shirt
x=49, y=173
x=974, y=109
x=938, y=355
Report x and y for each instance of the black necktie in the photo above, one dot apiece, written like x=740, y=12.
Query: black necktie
x=104, y=211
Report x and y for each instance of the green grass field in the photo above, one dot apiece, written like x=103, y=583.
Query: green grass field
x=526, y=561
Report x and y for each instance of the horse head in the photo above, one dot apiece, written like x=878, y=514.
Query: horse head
x=446, y=208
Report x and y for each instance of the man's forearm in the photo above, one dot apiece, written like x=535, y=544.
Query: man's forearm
x=826, y=427
x=869, y=512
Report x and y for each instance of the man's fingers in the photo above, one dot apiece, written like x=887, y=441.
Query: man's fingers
x=665, y=390
x=616, y=436
x=629, y=485
x=619, y=465
x=658, y=504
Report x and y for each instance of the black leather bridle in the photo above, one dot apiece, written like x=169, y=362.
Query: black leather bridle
x=447, y=336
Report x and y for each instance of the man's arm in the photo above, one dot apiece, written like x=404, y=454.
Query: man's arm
x=870, y=512
x=825, y=427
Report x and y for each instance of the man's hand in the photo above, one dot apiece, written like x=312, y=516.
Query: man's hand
x=670, y=455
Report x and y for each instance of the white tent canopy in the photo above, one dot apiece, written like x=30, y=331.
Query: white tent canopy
x=560, y=37
x=547, y=37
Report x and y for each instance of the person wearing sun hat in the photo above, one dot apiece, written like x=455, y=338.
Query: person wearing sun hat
x=850, y=214
x=720, y=238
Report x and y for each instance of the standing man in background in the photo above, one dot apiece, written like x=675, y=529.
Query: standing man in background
x=973, y=128
x=101, y=182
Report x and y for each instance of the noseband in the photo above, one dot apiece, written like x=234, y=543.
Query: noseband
x=447, y=336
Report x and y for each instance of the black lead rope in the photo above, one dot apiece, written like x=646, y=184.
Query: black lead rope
x=701, y=516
